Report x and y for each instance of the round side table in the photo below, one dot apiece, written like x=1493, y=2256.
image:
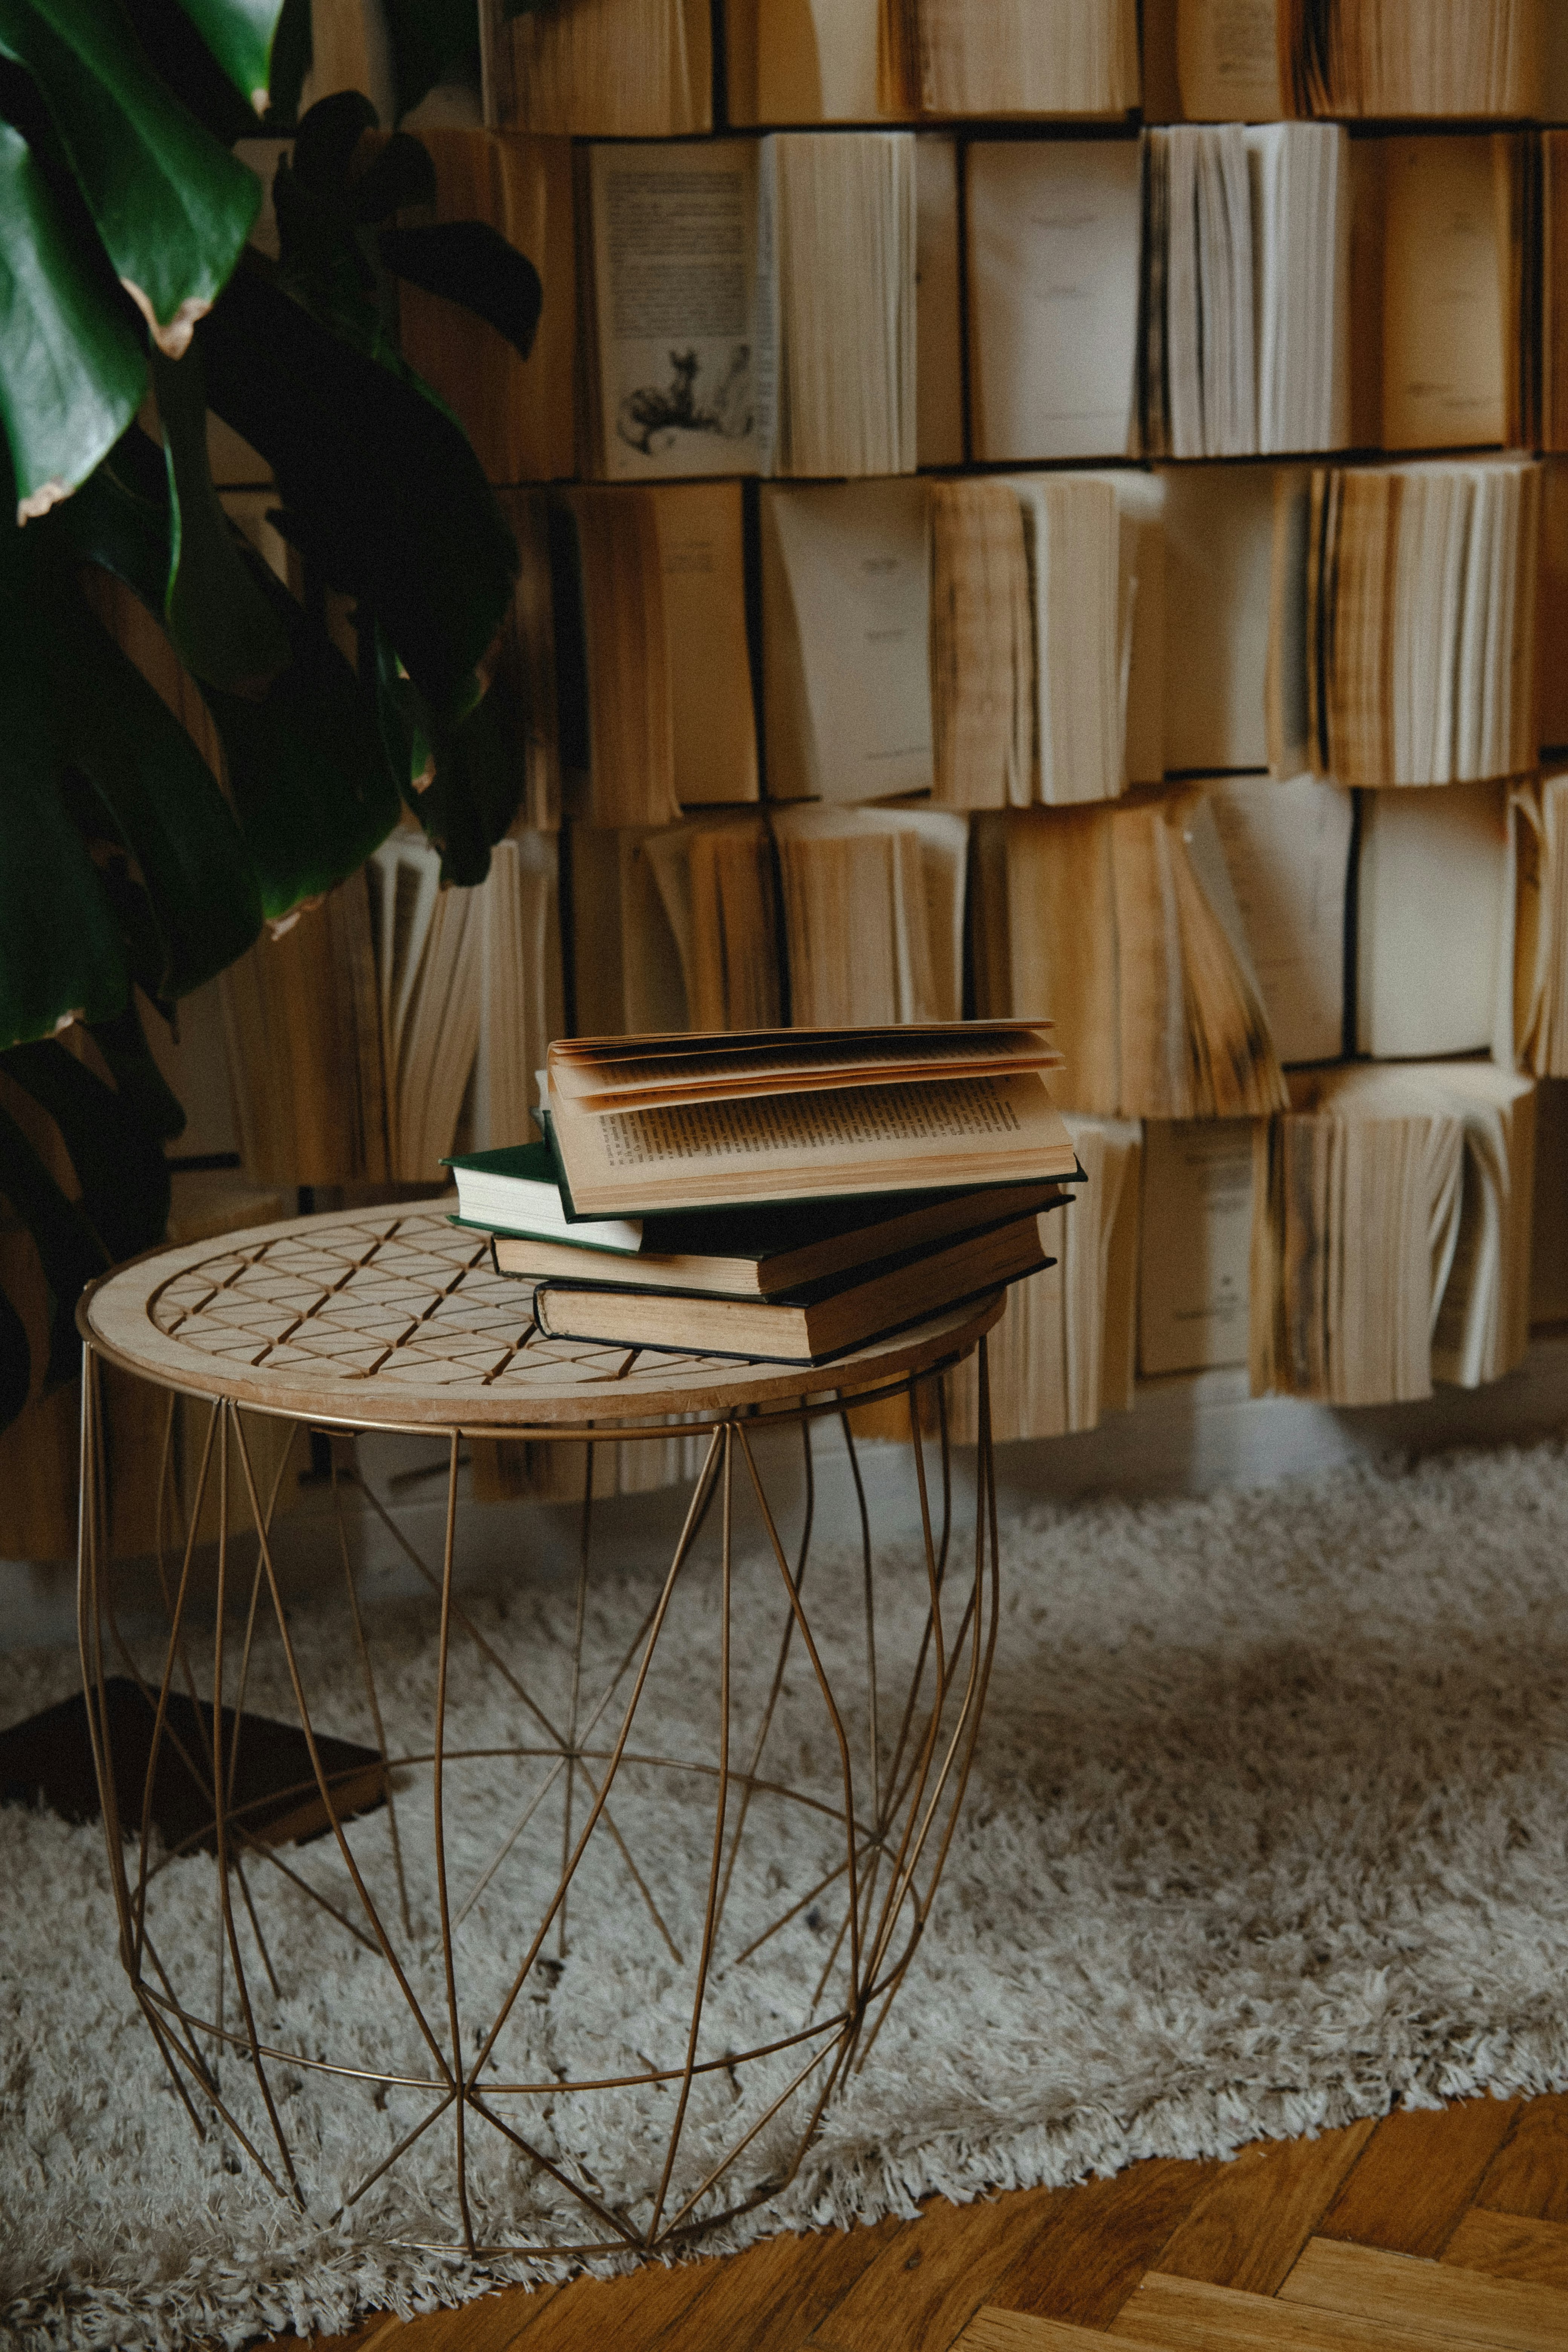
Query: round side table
x=660, y=1898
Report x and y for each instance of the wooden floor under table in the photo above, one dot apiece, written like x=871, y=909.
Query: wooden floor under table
x=1428, y=2231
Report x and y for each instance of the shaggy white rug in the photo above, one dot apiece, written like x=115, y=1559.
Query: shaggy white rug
x=1268, y=1827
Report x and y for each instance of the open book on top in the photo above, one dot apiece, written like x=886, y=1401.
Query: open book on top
x=705, y=1121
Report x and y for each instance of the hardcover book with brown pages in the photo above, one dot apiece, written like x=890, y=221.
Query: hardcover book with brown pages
x=748, y=307
x=695, y=1121
x=809, y=1326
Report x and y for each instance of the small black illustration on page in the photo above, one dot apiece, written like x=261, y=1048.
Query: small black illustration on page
x=652, y=416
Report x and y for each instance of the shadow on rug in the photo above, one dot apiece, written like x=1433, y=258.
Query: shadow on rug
x=1268, y=1826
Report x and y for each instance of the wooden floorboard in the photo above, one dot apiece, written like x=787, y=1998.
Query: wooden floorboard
x=1407, y=2235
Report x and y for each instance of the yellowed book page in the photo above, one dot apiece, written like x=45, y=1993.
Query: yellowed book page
x=1193, y=1281
x=845, y=617
x=939, y=328
x=1433, y=920
x=794, y=1147
x=607, y=68
x=809, y=60
x=1028, y=57
x=1219, y=553
x=1053, y=294
x=1553, y=606
x=982, y=648
x=1061, y=921
x=630, y=741
x=735, y=981
x=1227, y=60
x=1120, y=1217
x=712, y=722
x=1286, y=851
x=675, y=309
x=1158, y=1079
x=1445, y=280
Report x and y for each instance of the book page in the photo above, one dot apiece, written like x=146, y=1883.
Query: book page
x=1287, y=849
x=846, y=619
x=811, y=60
x=712, y=716
x=1053, y=288
x=939, y=331
x=1445, y=274
x=1431, y=919
x=1193, y=1284
x=675, y=278
x=792, y=1146
x=1227, y=60
x=1219, y=555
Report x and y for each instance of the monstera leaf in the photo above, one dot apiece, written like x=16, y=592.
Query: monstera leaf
x=130, y=873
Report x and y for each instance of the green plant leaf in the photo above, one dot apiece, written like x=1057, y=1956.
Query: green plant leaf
x=191, y=70
x=223, y=630
x=306, y=766
x=401, y=174
x=464, y=783
x=173, y=206
x=59, y=948
x=72, y=371
x=15, y=1363
x=429, y=37
x=142, y=1087
x=240, y=34
x=471, y=263
x=118, y=1162
x=379, y=485
x=161, y=797
x=72, y=1252
x=119, y=517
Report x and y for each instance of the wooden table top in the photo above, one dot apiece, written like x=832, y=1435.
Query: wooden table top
x=395, y=1318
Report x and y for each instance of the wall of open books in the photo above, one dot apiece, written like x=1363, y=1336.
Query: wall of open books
x=1033, y=508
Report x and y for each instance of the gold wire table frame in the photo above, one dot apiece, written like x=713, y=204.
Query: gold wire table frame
x=393, y=1320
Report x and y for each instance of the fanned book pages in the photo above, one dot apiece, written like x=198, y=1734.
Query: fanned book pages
x=749, y=307
x=1062, y=1355
x=1054, y=270
x=654, y=664
x=1246, y=290
x=1391, y=1236
x=1552, y=261
x=938, y=309
x=1440, y=266
x=675, y=928
x=1047, y=638
x=1419, y=611
x=873, y=908
x=599, y=69
x=524, y=657
x=1435, y=922
x=1286, y=850
x=519, y=984
x=516, y=413
x=304, y=1040
x=1250, y=60
x=1120, y=926
x=697, y=1122
x=1194, y=1245
x=1539, y=811
x=428, y=958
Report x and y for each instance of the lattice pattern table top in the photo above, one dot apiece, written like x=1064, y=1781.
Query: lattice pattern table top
x=393, y=1317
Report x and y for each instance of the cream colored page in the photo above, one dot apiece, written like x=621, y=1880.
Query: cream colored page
x=939, y=354
x=712, y=716
x=1053, y=253
x=816, y=60
x=1431, y=919
x=1286, y=850
x=1219, y=545
x=1444, y=289
x=852, y=565
x=1193, y=1283
x=1227, y=60
x=675, y=278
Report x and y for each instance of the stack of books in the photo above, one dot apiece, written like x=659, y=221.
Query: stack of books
x=787, y=1194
